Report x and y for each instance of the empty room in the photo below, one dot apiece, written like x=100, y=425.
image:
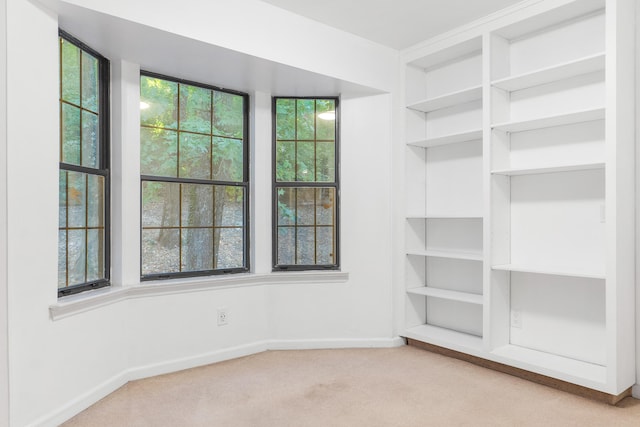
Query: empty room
x=339, y=213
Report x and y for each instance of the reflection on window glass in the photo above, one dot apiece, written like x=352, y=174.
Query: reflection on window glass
x=194, y=183
x=83, y=178
x=306, y=187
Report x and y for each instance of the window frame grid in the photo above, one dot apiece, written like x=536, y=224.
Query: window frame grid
x=104, y=123
x=275, y=184
x=245, y=184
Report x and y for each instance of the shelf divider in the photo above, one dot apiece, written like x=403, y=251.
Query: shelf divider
x=551, y=121
x=562, y=71
x=448, y=100
x=549, y=271
x=455, y=138
x=447, y=294
x=549, y=169
x=447, y=254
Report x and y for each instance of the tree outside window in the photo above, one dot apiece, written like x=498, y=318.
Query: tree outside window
x=306, y=184
x=194, y=166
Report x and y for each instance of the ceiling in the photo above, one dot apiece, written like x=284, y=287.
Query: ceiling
x=394, y=23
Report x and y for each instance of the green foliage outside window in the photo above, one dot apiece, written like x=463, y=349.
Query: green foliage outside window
x=193, y=163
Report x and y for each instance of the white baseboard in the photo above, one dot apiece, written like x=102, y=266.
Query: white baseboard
x=87, y=399
x=635, y=391
x=82, y=402
x=335, y=343
x=195, y=361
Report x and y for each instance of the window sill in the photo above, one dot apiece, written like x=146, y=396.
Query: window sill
x=91, y=300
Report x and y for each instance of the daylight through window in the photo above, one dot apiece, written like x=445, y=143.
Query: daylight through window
x=194, y=167
x=306, y=184
x=83, y=241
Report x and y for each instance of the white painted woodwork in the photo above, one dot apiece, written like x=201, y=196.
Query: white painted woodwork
x=552, y=283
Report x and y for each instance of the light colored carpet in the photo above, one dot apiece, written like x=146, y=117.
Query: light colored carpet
x=360, y=387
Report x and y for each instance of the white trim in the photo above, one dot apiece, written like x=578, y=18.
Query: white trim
x=635, y=391
x=93, y=395
x=336, y=343
x=86, y=301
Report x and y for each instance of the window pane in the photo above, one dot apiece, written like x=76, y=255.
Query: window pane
x=324, y=245
x=195, y=109
x=325, y=127
x=77, y=256
x=95, y=255
x=70, y=134
x=70, y=63
x=228, y=115
x=305, y=242
x=158, y=152
x=197, y=249
x=228, y=247
x=286, y=206
x=285, y=161
x=286, y=245
x=229, y=206
x=306, y=119
x=197, y=206
x=77, y=199
x=228, y=159
x=326, y=162
x=62, y=258
x=305, y=206
x=62, y=199
x=160, y=98
x=95, y=199
x=285, y=119
x=90, y=138
x=195, y=152
x=90, y=82
x=160, y=251
x=325, y=206
x=160, y=204
x=306, y=162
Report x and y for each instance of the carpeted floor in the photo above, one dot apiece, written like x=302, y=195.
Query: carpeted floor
x=361, y=387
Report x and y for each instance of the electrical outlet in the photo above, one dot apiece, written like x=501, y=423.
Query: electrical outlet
x=516, y=319
x=223, y=317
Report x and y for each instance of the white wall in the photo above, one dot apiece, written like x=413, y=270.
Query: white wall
x=4, y=353
x=59, y=367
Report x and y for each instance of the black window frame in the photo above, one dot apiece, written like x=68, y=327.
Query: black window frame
x=245, y=184
x=335, y=184
x=104, y=73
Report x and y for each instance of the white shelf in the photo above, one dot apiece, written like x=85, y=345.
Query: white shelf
x=551, y=121
x=576, y=371
x=423, y=217
x=445, y=254
x=445, y=338
x=563, y=71
x=448, y=139
x=448, y=100
x=549, y=271
x=447, y=294
x=550, y=169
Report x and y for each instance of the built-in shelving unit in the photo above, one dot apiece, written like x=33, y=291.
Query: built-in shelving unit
x=519, y=187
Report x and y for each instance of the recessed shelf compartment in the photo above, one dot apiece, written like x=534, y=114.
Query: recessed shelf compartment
x=562, y=71
x=550, y=121
x=445, y=254
x=576, y=371
x=448, y=139
x=448, y=100
x=549, y=271
x=445, y=338
x=447, y=294
x=550, y=169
